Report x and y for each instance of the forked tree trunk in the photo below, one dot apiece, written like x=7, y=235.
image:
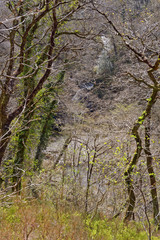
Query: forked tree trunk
x=128, y=172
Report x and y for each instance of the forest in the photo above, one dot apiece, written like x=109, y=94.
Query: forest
x=79, y=120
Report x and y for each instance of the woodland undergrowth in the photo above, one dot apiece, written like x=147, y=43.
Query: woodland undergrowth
x=37, y=219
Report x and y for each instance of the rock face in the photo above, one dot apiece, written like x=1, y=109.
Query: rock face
x=105, y=64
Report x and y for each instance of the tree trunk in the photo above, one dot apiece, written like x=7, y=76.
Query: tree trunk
x=151, y=173
x=43, y=138
x=19, y=160
x=4, y=139
x=128, y=178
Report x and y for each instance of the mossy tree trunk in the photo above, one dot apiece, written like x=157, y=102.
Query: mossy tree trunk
x=44, y=137
x=128, y=172
x=151, y=173
x=28, y=86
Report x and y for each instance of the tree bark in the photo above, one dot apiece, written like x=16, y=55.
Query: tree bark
x=151, y=173
x=43, y=138
x=128, y=177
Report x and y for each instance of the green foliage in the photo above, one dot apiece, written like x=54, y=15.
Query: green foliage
x=12, y=216
x=149, y=99
x=102, y=229
x=98, y=229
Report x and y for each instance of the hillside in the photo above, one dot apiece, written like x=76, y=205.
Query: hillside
x=79, y=119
